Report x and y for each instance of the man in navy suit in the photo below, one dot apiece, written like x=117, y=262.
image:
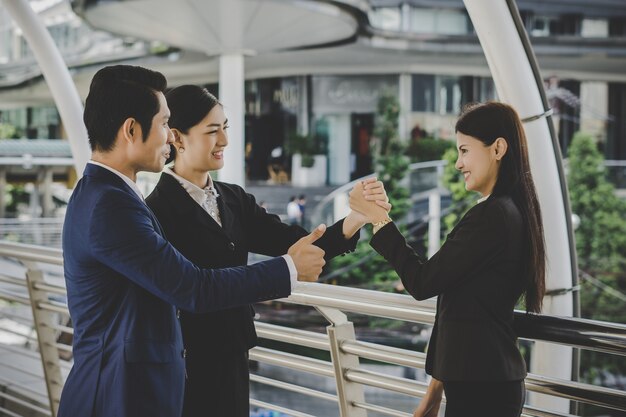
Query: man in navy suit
x=124, y=280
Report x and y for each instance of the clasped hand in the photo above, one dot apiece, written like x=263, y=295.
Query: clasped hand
x=369, y=199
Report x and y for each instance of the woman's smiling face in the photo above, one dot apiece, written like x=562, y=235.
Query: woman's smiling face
x=478, y=163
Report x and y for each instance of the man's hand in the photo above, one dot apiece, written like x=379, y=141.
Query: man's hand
x=370, y=199
x=308, y=258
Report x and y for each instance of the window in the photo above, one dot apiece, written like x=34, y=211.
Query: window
x=423, y=93
x=386, y=18
x=439, y=21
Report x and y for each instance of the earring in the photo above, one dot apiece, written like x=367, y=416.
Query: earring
x=181, y=150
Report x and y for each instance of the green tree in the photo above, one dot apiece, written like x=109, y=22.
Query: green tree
x=365, y=267
x=600, y=245
x=428, y=149
x=7, y=131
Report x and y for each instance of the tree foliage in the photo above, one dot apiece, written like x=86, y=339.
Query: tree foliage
x=600, y=246
x=364, y=267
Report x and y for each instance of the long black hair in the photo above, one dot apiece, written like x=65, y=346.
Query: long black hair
x=188, y=105
x=488, y=122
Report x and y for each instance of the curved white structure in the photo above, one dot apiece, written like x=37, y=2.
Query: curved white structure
x=511, y=64
x=57, y=77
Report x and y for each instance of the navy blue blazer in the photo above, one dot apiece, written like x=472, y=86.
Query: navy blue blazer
x=124, y=282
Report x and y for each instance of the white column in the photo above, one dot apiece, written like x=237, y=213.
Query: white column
x=231, y=84
x=3, y=184
x=46, y=201
x=516, y=85
x=404, y=97
x=57, y=77
x=594, y=111
x=303, y=106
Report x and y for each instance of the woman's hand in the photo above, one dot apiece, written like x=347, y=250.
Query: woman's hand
x=430, y=404
x=369, y=198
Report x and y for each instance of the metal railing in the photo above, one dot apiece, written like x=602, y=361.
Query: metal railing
x=30, y=282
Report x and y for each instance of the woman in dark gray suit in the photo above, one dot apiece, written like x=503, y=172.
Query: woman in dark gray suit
x=493, y=256
x=216, y=224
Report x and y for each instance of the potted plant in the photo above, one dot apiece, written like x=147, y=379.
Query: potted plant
x=308, y=160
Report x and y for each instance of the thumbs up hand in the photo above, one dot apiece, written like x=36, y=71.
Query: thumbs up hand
x=308, y=258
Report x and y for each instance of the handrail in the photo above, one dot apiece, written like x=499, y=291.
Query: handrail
x=333, y=302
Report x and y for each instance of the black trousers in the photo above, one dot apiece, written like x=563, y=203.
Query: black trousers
x=217, y=385
x=484, y=399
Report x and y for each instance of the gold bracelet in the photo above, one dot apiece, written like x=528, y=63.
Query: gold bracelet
x=379, y=225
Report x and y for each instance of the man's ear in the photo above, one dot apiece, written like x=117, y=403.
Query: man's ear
x=501, y=146
x=130, y=128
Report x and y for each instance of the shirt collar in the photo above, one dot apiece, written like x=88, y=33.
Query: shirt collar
x=480, y=200
x=197, y=193
x=127, y=180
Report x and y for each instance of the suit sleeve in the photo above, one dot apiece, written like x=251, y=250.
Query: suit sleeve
x=476, y=241
x=124, y=239
x=270, y=236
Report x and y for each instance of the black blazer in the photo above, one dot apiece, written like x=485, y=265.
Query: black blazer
x=478, y=276
x=246, y=227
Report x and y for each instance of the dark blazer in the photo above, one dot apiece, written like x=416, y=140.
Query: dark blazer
x=123, y=280
x=478, y=277
x=246, y=227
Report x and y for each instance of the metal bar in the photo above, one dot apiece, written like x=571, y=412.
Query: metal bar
x=530, y=411
x=10, y=384
x=590, y=394
x=588, y=334
x=383, y=353
x=294, y=388
x=17, y=368
x=380, y=409
x=293, y=336
x=47, y=339
x=55, y=289
x=29, y=354
x=8, y=412
x=52, y=306
x=63, y=347
x=15, y=281
x=17, y=318
x=4, y=295
x=392, y=383
x=288, y=360
x=26, y=336
x=24, y=403
x=53, y=260
x=64, y=329
x=278, y=408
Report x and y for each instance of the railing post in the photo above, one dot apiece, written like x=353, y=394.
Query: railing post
x=348, y=392
x=434, y=222
x=46, y=337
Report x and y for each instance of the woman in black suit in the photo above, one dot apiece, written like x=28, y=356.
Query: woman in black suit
x=215, y=225
x=493, y=256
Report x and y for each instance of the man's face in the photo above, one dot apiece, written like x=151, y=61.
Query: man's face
x=151, y=155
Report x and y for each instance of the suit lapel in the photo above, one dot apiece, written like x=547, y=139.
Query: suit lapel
x=187, y=207
x=226, y=214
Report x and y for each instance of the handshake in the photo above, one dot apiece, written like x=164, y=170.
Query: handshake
x=368, y=204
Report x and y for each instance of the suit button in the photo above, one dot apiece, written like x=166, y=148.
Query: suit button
x=231, y=246
x=178, y=313
x=184, y=353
